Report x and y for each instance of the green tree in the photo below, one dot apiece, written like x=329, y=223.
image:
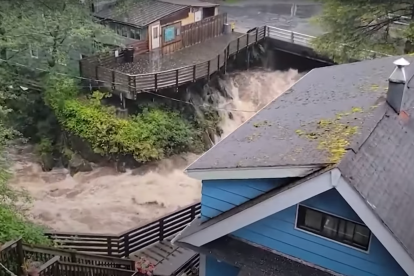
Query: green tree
x=365, y=25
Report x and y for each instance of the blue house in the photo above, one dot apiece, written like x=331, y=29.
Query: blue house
x=319, y=182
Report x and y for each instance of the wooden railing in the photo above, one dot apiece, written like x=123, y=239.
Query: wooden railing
x=123, y=244
x=170, y=78
x=56, y=267
x=11, y=256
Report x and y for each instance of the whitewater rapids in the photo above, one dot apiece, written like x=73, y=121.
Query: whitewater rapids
x=104, y=201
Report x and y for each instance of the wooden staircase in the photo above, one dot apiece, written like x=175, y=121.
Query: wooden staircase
x=15, y=255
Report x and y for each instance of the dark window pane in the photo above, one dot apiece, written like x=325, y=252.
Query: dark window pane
x=346, y=230
x=361, y=235
x=330, y=226
x=334, y=228
x=313, y=219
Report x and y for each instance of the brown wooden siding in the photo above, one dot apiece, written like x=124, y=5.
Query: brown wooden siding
x=205, y=29
x=174, y=45
x=140, y=47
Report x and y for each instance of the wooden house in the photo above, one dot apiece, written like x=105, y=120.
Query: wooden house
x=158, y=23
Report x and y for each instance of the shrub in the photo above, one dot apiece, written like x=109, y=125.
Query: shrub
x=150, y=135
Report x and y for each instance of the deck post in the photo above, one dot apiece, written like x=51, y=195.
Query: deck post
x=156, y=81
x=225, y=60
x=176, y=78
x=123, y=101
x=257, y=34
x=194, y=72
x=208, y=69
x=238, y=45
x=113, y=80
x=218, y=63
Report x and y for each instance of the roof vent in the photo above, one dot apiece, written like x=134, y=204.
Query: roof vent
x=396, y=85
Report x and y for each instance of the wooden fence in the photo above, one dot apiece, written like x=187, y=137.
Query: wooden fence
x=200, y=31
x=132, y=240
x=173, y=78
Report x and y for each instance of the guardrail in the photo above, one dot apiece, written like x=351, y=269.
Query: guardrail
x=306, y=41
x=123, y=244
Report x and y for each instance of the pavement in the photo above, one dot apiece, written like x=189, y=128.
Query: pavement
x=290, y=15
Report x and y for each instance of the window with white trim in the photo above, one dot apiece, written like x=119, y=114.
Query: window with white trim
x=332, y=227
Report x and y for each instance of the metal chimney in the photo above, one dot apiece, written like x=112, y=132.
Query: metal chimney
x=396, y=85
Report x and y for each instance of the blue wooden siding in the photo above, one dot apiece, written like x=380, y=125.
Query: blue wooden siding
x=222, y=195
x=278, y=232
x=216, y=268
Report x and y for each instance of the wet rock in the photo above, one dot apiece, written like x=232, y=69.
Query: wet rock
x=120, y=166
x=78, y=164
x=47, y=162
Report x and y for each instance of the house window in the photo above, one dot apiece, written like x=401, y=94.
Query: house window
x=34, y=53
x=332, y=227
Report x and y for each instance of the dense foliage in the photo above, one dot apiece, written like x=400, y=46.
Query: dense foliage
x=365, y=24
x=150, y=135
x=12, y=201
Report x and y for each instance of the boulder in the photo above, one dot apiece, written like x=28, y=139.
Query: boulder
x=78, y=164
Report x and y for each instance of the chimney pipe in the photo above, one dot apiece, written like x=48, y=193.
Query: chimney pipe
x=396, y=85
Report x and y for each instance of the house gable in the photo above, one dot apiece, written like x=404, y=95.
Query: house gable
x=199, y=233
x=279, y=232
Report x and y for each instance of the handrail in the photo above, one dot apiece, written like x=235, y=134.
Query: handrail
x=127, y=242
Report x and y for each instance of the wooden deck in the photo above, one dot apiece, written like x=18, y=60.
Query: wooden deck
x=168, y=258
x=151, y=72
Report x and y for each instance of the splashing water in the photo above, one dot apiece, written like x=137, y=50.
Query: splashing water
x=104, y=201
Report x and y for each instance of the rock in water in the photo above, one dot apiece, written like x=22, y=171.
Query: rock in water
x=78, y=164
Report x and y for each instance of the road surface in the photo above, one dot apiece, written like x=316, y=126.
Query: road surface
x=289, y=15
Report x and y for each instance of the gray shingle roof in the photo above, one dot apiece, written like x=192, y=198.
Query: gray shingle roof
x=380, y=164
x=141, y=13
x=382, y=172
x=270, y=138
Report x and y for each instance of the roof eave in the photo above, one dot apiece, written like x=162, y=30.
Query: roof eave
x=253, y=172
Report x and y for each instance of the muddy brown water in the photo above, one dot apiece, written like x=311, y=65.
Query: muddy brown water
x=104, y=201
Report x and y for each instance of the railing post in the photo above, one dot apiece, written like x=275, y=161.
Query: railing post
x=225, y=60
x=292, y=37
x=113, y=80
x=238, y=45
x=247, y=40
x=176, y=78
x=194, y=72
x=265, y=31
x=208, y=69
x=218, y=62
x=72, y=257
x=228, y=51
x=161, y=223
x=156, y=81
x=109, y=242
x=126, y=245
x=20, y=256
x=193, y=212
x=257, y=33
